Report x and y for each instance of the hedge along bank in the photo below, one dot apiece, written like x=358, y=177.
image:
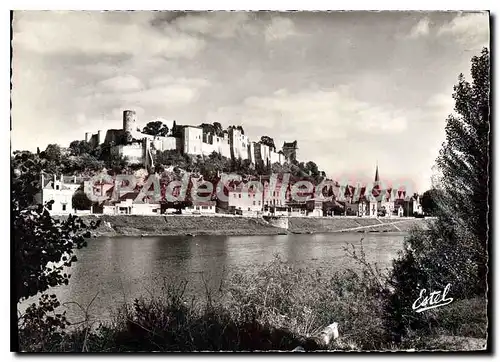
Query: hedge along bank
x=161, y=188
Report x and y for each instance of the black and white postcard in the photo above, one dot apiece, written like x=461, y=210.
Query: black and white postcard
x=250, y=181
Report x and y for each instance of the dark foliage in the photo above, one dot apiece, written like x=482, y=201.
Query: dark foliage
x=453, y=249
x=155, y=128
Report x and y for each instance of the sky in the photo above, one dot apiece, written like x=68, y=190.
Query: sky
x=355, y=89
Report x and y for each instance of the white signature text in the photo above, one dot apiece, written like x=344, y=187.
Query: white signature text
x=432, y=300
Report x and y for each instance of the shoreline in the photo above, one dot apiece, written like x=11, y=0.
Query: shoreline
x=189, y=225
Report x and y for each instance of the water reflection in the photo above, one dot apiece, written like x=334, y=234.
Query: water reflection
x=123, y=268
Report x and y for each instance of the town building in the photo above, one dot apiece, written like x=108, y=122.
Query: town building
x=200, y=208
x=60, y=190
x=315, y=208
x=128, y=204
x=290, y=150
x=244, y=200
x=276, y=195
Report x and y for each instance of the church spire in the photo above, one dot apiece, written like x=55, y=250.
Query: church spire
x=376, y=174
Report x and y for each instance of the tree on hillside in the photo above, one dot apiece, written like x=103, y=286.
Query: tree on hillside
x=312, y=169
x=213, y=164
x=156, y=128
x=170, y=158
x=78, y=148
x=53, y=152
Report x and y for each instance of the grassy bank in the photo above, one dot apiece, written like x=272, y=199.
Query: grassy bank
x=335, y=224
x=135, y=225
x=279, y=307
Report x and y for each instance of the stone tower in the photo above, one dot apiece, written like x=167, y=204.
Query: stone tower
x=290, y=150
x=129, y=124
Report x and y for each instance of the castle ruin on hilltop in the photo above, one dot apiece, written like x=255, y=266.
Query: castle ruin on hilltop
x=138, y=147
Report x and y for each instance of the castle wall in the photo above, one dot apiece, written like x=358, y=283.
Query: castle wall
x=275, y=157
x=207, y=148
x=193, y=140
x=165, y=143
x=223, y=146
x=239, y=144
x=251, y=152
x=233, y=144
x=115, y=136
x=290, y=151
x=218, y=144
x=133, y=152
x=262, y=153
x=265, y=154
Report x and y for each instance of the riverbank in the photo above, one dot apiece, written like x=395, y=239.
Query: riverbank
x=277, y=307
x=136, y=225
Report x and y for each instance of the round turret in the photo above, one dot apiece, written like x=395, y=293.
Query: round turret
x=129, y=124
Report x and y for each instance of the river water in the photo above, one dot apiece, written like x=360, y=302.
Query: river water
x=120, y=269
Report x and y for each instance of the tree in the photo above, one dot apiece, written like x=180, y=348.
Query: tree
x=80, y=200
x=453, y=248
x=116, y=162
x=312, y=168
x=171, y=158
x=43, y=246
x=53, y=153
x=464, y=159
x=428, y=201
x=78, y=148
x=213, y=164
x=156, y=128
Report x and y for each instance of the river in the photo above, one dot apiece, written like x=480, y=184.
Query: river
x=122, y=268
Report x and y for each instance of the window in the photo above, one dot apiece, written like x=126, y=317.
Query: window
x=254, y=203
x=239, y=196
x=57, y=187
x=259, y=203
x=234, y=195
x=197, y=207
x=63, y=207
x=204, y=207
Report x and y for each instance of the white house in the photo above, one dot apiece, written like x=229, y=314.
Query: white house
x=245, y=200
x=128, y=206
x=200, y=208
x=60, y=190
